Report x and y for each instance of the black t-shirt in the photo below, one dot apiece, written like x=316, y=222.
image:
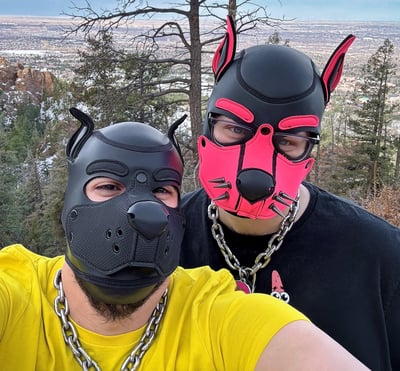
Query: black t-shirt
x=339, y=265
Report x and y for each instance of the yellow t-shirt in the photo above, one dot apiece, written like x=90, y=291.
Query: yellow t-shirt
x=207, y=325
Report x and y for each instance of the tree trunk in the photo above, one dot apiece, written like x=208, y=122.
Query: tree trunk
x=396, y=183
x=195, y=75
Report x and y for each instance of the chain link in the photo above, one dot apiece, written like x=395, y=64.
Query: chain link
x=248, y=274
x=132, y=362
x=70, y=333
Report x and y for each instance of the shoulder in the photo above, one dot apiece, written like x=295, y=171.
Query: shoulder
x=324, y=203
x=320, y=195
x=203, y=279
x=21, y=267
x=224, y=328
x=220, y=287
x=24, y=276
x=347, y=228
x=196, y=197
x=195, y=208
x=19, y=254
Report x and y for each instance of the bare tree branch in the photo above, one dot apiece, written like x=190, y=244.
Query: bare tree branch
x=179, y=41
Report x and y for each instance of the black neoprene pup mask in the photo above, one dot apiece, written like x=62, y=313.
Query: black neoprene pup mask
x=122, y=248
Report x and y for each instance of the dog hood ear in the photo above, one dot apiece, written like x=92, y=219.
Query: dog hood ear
x=225, y=52
x=333, y=70
x=81, y=135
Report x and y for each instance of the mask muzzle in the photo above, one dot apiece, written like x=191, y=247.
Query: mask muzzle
x=123, y=247
x=254, y=178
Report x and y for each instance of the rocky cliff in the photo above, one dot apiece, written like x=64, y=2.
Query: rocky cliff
x=32, y=83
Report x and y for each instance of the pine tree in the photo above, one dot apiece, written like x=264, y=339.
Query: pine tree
x=369, y=153
x=10, y=217
x=119, y=85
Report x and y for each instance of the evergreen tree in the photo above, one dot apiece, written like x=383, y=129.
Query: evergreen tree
x=46, y=175
x=28, y=144
x=17, y=140
x=368, y=156
x=10, y=218
x=24, y=132
x=117, y=85
x=42, y=226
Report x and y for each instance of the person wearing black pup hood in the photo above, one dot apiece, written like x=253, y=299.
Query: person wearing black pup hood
x=118, y=300
x=277, y=233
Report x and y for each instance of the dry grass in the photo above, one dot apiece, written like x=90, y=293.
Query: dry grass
x=386, y=205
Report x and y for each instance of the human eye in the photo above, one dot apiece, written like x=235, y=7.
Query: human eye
x=227, y=133
x=160, y=191
x=109, y=187
x=167, y=194
x=235, y=133
x=294, y=147
x=289, y=143
x=236, y=130
x=102, y=189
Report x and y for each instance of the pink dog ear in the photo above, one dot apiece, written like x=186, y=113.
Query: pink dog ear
x=226, y=50
x=334, y=68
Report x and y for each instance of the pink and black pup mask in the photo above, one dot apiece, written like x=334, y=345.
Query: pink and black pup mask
x=271, y=92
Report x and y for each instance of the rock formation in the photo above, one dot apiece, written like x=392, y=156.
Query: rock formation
x=34, y=83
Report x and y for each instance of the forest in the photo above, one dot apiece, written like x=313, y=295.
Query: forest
x=358, y=158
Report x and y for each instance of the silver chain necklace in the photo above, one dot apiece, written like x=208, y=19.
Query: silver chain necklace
x=71, y=337
x=247, y=275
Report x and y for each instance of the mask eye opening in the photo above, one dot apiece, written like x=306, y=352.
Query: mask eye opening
x=225, y=132
x=295, y=148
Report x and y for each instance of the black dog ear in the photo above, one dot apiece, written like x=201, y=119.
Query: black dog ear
x=81, y=135
x=171, y=134
x=333, y=70
x=226, y=50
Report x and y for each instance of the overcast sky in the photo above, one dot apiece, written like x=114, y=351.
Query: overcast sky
x=363, y=10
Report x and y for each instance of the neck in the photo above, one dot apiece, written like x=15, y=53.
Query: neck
x=260, y=227
x=86, y=316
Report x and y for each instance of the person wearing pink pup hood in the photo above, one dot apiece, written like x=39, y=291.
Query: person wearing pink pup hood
x=278, y=234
